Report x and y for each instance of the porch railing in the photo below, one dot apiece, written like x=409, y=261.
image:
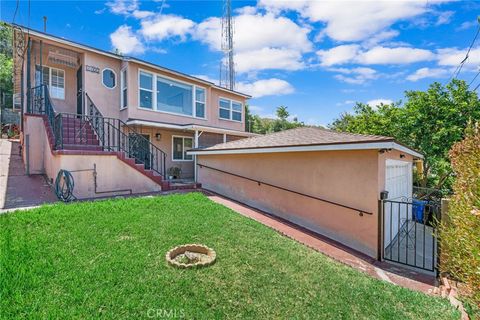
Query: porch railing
x=115, y=135
x=40, y=103
x=96, y=132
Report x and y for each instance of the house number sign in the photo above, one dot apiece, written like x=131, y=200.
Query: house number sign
x=92, y=69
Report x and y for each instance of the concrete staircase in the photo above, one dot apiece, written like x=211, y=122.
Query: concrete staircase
x=78, y=136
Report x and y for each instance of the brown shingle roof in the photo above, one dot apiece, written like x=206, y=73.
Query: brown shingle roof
x=303, y=136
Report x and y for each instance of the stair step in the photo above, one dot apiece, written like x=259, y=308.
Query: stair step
x=82, y=147
x=88, y=142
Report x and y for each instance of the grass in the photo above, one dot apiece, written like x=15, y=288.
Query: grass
x=106, y=259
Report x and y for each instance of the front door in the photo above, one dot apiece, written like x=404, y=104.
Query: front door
x=79, y=91
x=139, y=149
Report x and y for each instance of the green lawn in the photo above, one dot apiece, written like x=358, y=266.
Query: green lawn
x=107, y=259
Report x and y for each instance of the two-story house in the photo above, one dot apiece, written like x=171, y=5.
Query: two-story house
x=115, y=122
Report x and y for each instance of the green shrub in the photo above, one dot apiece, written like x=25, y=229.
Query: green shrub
x=460, y=232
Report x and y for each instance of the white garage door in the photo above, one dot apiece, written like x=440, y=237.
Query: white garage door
x=398, y=183
x=398, y=179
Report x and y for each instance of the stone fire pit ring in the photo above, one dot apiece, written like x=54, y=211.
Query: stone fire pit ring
x=191, y=256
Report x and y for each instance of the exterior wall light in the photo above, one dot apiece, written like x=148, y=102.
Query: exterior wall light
x=158, y=136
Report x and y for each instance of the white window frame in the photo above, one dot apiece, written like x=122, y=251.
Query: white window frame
x=195, y=87
x=50, y=80
x=183, y=149
x=231, y=101
x=116, y=78
x=154, y=89
x=123, y=86
x=154, y=95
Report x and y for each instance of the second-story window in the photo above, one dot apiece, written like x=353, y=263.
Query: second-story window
x=230, y=110
x=123, y=83
x=164, y=94
x=146, y=90
x=200, y=102
x=108, y=78
x=173, y=96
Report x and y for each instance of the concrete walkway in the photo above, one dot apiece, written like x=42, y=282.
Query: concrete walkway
x=381, y=270
x=17, y=190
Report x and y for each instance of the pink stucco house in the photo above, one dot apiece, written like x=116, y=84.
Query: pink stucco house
x=88, y=109
x=121, y=125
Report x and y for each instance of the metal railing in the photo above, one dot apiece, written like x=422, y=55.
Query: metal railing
x=115, y=135
x=409, y=232
x=361, y=212
x=93, y=131
x=40, y=103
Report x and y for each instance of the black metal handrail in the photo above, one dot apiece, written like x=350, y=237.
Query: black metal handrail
x=96, y=132
x=360, y=211
x=115, y=135
x=40, y=103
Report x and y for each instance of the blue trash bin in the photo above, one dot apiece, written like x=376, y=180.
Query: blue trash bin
x=418, y=208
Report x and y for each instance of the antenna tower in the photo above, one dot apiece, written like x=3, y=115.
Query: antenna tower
x=227, y=66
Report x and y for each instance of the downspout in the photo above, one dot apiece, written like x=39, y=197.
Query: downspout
x=28, y=75
x=195, y=157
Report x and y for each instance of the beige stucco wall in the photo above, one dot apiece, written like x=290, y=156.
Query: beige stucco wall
x=107, y=100
x=112, y=173
x=69, y=104
x=348, y=177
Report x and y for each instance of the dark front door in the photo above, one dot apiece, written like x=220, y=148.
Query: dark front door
x=79, y=91
x=139, y=149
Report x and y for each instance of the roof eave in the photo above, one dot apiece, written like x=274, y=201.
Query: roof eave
x=306, y=148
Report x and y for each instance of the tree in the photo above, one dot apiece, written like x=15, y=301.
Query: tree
x=268, y=125
x=429, y=121
x=6, y=61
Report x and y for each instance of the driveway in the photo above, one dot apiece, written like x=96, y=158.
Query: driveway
x=17, y=190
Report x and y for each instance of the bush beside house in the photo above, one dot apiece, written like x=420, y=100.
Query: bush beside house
x=460, y=232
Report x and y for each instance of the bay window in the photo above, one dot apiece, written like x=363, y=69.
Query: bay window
x=230, y=110
x=168, y=95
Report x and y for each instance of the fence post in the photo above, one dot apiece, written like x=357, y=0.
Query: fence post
x=380, y=231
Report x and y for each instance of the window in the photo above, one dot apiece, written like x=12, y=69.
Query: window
x=180, y=147
x=200, y=102
x=173, y=96
x=146, y=90
x=230, y=110
x=123, y=83
x=53, y=78
x=108, y=78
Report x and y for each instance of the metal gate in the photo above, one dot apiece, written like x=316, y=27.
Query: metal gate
x=409, y=232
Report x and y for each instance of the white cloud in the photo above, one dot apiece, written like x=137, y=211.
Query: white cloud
x=266, y=87
x=400, y=55
x=351, y=20
x=126, y=41
x=377, y=102
x=338, y=55
x=375, y=56
x=467, y=25
x=166, y=26
x=453, y=56
x=268, y=58
x=141, y=14
x=444, y=17
x=423, y=73
x=358, y=75
x=261, y=41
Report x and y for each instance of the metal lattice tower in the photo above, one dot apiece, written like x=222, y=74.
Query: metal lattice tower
x=227, y=66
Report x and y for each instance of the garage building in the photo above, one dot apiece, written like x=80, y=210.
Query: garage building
x=326, y=181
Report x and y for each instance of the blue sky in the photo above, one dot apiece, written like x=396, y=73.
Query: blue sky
x=317, y=58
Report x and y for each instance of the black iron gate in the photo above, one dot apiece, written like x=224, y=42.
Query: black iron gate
x=409, y=232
